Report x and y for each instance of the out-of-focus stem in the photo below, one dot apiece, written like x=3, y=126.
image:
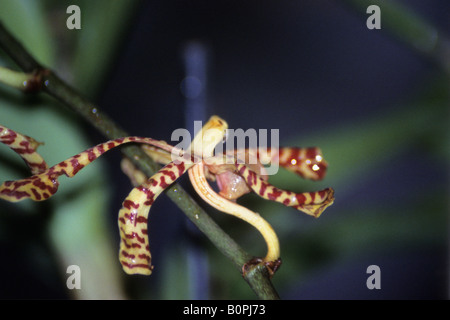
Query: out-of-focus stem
x=19, y=80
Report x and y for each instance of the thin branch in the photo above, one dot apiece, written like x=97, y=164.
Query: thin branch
x=257, y=278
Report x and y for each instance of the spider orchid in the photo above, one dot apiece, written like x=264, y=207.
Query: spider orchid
x=234, y=174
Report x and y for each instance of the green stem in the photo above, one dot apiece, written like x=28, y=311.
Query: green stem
x=14, y=79
x=258, y=279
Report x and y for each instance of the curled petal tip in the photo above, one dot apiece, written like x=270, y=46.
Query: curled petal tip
x=316, y=209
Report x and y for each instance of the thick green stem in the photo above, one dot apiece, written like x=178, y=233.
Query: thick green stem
x=258, y=279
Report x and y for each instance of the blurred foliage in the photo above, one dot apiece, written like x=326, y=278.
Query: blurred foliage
x=75, y=228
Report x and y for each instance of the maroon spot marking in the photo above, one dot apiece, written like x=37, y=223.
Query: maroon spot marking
x=251, y=178
x=263, y=188
x=100, y=149
x=241, y=169
x=76, y=166
x=286, y=201
x=300, y=198
x=130, y=204
x=134, y=235
x=41, y=166
x=148, y=202
x=26, y=149
x=323, y=193
x=8, y=183
x=131, y=217
x=181, y=168
x=162, y=182
x=275, y=194
x=9, y=138
x=36, y=194
x=169, y=173
x=127, y=255
x=19, y=183
x=126, y=244
x=136, y=245
x=38, y=183
x=142, y=188
x=15, y=194
x=169, y=165
x=150, y=196
x=322, y=170
x=144, y=256
x=111, y=145
x=294, y=153
x=311, y=153
x=144, y=231
x=141, y=219
x=136, y=265
x=134, y=218
x=91, y=154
